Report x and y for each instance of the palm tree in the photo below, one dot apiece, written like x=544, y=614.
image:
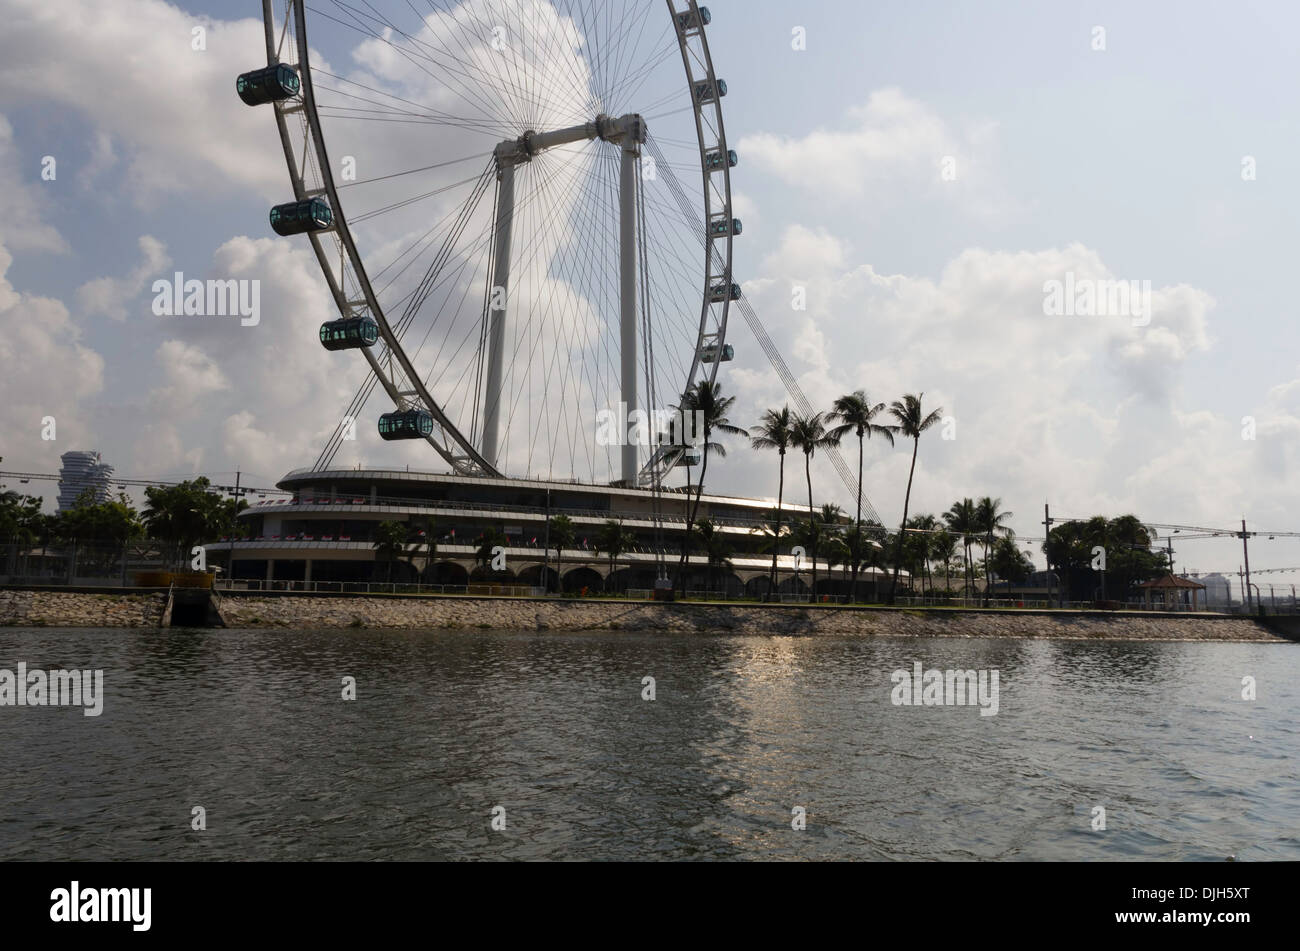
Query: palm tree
x=991, y=520
x=612, y=539
x=856, y=414
x=184, y=515
x=714, y=545
x=706, y=401
x=773, y=432
x=424, y=538
x=562, y=536
x=944, y=547
x=390, y=543
x=925, y=526
x=912, y=422
x=963, y=520
x=808, y=434
x=489, y=540
x=771, y=533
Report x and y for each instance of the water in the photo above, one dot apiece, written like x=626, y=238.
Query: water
x=251, y=726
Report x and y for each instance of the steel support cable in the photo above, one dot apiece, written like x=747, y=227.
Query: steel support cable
x=558, y=364
x=413, y=171
x=572, y=278
x=483, y=323
x=357, y=219
x=487, y=109
x=527, y=326
x=335, y=441
x=613, y=44
x=578, y=282
x=526, y=87
x=444, y=15
x=433, y=115
x=644, y=72
x=577, y=279
x=470, y=82
x=633, y=26
x=783, y=371
x=651, y=391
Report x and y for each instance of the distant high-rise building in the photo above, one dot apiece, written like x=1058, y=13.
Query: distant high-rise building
x=1219, y=588
x=82, y=470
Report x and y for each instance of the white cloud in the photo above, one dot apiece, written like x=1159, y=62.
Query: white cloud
x=21, y=227
x=171, y=109
x=48, y=371
x=109, y=296
x=892, y=142
x=1084, y=410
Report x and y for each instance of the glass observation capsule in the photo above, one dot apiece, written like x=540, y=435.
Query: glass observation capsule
x=349, y=333
x=704, y=90
x=298, y=217
x=269, y=84
x=689, y=21
x=720, y=292
x=714, y=160
x=405, y=424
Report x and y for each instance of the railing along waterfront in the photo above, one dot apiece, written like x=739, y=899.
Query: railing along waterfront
x=388, y=503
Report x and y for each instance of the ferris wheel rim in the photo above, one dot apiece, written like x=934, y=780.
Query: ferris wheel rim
x=470, y=461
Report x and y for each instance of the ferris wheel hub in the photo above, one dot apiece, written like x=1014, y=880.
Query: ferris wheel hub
x=628, y=131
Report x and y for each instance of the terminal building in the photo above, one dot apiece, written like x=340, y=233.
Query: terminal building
x=324, y=536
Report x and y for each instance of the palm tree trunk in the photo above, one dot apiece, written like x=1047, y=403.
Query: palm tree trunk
x=988, y=574
x=776, y=538
x=857, y=529
x=965, y=568
x=694, y=508
x=812, y=537
x=907, y=500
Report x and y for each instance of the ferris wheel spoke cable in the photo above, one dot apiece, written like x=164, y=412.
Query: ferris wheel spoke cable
x=625, y=91
x=367, y=387
x=571, y=320
x=633, y=26
x=464, y=41
x=412, y=58
x=779, y=365
x=421, y=110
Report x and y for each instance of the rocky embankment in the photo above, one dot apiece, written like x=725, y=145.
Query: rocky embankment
x=77, y=609
x=511, y=614
x=82, y=609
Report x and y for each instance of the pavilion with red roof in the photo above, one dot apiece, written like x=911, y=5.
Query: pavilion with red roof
x=1172, y=590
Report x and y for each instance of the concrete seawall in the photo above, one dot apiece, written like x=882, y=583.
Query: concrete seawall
x=119, y=609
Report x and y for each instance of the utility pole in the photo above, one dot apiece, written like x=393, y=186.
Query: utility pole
x=1169, y=546
x=1047, y=537
x=1245, y=552
x=234, y=519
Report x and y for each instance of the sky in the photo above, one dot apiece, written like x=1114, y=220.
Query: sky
x=921, y=170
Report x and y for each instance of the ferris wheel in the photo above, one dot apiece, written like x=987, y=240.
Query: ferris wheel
x=523, y=212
